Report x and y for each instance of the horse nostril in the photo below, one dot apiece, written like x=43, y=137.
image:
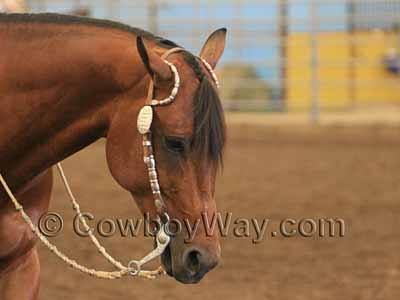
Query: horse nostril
x=194, y=264
x=193, y=261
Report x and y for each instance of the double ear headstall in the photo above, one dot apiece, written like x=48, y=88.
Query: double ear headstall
x=144, y=121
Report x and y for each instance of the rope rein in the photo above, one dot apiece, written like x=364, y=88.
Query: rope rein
x=134, y=266
x=122, y=270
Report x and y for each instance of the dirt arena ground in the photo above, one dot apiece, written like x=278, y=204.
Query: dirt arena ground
x=350, y=172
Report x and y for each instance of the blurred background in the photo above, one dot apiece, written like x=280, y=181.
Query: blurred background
x=310, y=56
x=311, y=91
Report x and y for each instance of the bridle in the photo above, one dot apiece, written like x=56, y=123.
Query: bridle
x=144, y=123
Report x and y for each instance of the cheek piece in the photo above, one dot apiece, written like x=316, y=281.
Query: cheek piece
x=144, y=122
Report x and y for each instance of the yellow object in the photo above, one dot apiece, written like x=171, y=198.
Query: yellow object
x=350, y=70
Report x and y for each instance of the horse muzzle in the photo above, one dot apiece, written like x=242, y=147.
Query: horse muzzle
x=190, y=265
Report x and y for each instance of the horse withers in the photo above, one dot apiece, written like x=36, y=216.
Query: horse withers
x=66, y=82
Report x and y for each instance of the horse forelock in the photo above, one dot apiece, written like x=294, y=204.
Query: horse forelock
x=209, y=129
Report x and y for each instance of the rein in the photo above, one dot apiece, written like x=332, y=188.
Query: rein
x=134, y=267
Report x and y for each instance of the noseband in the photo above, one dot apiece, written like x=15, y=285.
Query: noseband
x=144, y=123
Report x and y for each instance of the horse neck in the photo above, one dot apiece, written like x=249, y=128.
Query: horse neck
x=62, y=100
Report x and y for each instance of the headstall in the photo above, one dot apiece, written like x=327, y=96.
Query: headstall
x=144, y=122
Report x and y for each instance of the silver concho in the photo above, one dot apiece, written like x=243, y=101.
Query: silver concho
x=145, y=118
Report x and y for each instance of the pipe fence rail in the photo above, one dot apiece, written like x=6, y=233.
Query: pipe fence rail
x=311, y=56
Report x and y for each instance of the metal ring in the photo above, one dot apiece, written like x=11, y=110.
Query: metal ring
x=154, y=232
x=167, y=217
x=166, y=224
x=135, y=266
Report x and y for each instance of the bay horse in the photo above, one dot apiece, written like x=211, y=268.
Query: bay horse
x=66, y=82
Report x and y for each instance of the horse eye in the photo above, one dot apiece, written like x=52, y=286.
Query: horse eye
x=175, y=144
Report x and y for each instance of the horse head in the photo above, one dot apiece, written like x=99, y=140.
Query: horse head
x=188, y=138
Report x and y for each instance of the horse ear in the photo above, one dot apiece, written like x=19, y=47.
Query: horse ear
x=214, y=47
x=153, y=63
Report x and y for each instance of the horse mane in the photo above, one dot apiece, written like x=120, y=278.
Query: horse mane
x=61, y=19
x=209, y=124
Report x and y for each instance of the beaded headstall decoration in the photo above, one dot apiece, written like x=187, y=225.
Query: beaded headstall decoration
x=144, y=122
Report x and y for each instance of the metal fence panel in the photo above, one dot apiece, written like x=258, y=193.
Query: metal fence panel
x=287, y=55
